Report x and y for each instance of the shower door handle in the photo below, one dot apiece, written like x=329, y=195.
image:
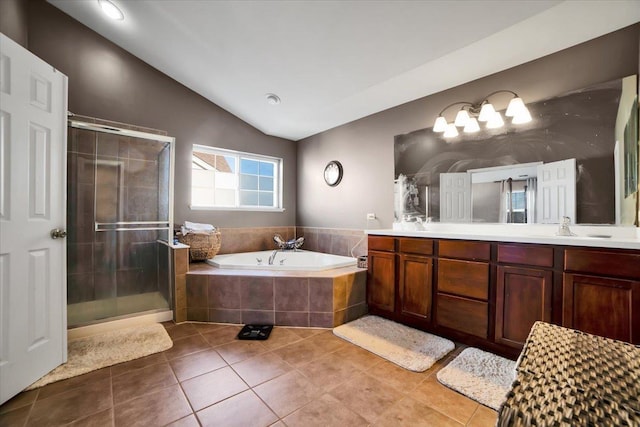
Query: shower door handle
x=57, y=233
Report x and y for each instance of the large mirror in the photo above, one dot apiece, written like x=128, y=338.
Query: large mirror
x=588, y=137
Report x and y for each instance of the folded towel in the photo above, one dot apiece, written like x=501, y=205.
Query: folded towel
x=194, y=227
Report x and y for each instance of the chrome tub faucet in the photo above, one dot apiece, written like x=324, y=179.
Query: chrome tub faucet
x=288, y=245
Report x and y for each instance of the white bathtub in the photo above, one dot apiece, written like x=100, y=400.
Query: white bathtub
x=284, y=260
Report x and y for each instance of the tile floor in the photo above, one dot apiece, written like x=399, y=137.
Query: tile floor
x=299, y=377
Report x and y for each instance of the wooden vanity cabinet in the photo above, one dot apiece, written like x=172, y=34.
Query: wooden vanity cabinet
x=462, y=299
x=523, y=291
x=381, y=275
x=601, y=293
x=489, y=294
x=415, y=278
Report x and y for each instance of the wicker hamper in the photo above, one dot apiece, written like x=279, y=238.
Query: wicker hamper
x=203, y=245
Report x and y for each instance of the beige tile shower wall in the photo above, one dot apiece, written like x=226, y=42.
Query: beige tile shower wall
x=334, y=241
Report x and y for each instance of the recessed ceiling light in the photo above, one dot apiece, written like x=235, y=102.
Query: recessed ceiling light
x=272, y=99
x=111, y=10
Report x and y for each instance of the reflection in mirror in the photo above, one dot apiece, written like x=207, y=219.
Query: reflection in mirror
x=589, y=132
x=504, y=194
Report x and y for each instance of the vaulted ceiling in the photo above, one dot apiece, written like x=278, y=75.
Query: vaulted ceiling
x=332, y=62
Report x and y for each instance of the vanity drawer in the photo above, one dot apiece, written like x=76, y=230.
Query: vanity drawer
x=540, y=256
x=382, y=243
x=464, y=315
x=415, y=246
x=615, y=264
x=464, y=278
x=464, y=250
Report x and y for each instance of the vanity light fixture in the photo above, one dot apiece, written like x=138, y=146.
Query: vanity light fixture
x=471, y=113
x=111, y=10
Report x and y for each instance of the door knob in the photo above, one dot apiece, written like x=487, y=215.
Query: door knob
x=56, y=233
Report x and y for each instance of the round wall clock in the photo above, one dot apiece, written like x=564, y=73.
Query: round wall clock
x=333, y=173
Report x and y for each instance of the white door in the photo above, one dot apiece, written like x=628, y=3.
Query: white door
x=556, y=191
x=33, y=317
x=455, y=197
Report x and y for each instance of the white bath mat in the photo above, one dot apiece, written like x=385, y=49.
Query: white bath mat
x=406, y=347
x=484, y=377
x=99, y=351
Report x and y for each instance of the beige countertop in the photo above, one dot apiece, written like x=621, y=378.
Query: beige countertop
x=604, y=236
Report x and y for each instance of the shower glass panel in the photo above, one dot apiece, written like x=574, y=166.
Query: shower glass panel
x=119, y=206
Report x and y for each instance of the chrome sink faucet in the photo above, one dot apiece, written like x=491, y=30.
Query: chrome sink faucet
x=564, y=227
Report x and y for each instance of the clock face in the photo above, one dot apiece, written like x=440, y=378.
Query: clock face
x=333, y=173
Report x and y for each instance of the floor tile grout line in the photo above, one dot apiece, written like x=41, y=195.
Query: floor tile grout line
x=33, y=404
x=473, y=414
x=113, y=402
x=84, y=415
x=193, y=412
x=265, y=404
x=146, y=393
x=429, y=376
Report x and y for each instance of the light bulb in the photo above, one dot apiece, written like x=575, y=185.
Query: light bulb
x=516, y=105
x=472, y=126
x=495, y=121
x=451, y=131
x=522, y=117
x=111, y=10
x=486, y=112
x=440, y=125
x=462, y=118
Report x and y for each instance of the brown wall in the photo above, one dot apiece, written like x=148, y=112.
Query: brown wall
x=13, y=20
x=107, y=82
x=365, y=147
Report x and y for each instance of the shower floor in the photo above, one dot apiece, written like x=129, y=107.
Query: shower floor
x=85, y=313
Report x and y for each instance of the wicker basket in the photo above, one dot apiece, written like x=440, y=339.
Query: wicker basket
x=202, y=245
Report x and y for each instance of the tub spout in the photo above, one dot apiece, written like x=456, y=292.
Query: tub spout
x=272, y=257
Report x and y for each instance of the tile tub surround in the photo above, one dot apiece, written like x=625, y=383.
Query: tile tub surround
x=235, y=240
x=320, y=299
x=327, y=240
x=251, y=239
x=334, y=241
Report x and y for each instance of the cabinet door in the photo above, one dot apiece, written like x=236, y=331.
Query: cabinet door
x=381, y=280
x=415, y=285
x=602, y=306
x=523, y=297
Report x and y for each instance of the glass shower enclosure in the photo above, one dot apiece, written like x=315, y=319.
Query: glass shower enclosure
x=119, y=206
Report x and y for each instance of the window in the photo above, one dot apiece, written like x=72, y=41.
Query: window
x=225, y=179
x=518, y=213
